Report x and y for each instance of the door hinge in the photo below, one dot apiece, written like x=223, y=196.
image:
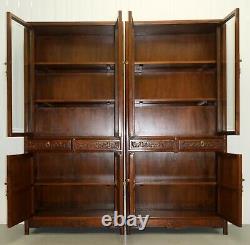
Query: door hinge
x=6, y=189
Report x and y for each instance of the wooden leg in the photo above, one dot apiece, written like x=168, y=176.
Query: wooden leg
x=122, y=230
x=26, y=227
x=225, y=228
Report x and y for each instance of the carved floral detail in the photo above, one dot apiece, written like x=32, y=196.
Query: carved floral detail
x=37, y=145
x=152, y=144
x=202, y=144
x=96, y=145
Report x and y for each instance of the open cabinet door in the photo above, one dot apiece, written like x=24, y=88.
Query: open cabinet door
x=230, y=187
x=119, y=109
x=130, y=67
x=18, y=76
x=229, y=75
x=19, y=188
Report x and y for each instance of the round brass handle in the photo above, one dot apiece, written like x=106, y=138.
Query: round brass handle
x=202, y=143
x=48, y=144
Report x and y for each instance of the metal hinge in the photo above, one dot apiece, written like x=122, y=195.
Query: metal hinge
x=6, y=189
x=139, y=68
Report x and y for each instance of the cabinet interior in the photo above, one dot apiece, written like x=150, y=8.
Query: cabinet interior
x=74, y=97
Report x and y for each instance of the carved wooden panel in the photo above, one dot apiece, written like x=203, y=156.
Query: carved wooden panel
x=96, y=145
x=48, y=145
x=202, y=145
x=178, y=145
x=152, y=145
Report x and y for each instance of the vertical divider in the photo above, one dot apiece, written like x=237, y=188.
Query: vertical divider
x=130, y=129
x=131, y=183
x=32, y=81
x=119, y=117
x=130, y=63
x=218, y=78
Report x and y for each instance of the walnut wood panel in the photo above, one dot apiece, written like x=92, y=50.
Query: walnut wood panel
x=176, y=222
x=176, y=197
x=177, y=144
x=230, y=187
x=71, y=197
x=82, y=86
x=202, y=145
x=74, y=48
x=175, y=27
x=75, y=28
x=162, y=120
x=81, y=121
x=155, y=167
x=182, y=218
x=80, y=167
x=96, y=145
x=78, y=220
x=19, y=191
x=176, y=84
x=35, y=145
x=201, y=46
x=146, y=144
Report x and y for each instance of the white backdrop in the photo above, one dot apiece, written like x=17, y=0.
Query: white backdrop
x=80, y=10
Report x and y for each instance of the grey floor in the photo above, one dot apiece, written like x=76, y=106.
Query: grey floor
x=148, y=237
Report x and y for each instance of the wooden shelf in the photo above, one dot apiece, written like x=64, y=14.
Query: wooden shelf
x=73, y=212
x=85, y=181
x=140, y=65
x=175, y=213
x=181, y=62
x=176, y=182
x=73, y=183
x=51, y=103
x=107, y=66
x=182, y=101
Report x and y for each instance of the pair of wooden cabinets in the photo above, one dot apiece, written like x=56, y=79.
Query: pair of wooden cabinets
x=160, y=137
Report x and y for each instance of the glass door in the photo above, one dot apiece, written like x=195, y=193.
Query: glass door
x=18, y=66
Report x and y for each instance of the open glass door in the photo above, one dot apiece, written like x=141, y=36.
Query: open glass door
x=230, y=187
x=18, y=60
x=229, y=75
x=19, y=188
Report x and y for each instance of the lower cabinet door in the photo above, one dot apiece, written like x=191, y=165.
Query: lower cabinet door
x=230, y=187
x=19, y=188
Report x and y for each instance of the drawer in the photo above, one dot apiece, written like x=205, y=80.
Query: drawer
x=48, y=145
x=109, y=145
x=152, y=145
x=202, y=145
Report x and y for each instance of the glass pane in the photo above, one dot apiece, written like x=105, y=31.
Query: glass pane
x=230, y=74
x=18, y=125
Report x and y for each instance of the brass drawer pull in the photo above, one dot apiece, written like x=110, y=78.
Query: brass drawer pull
x=202, y=143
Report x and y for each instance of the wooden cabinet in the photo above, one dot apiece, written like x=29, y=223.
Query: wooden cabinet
x=182, y=100
x=67, y=101
x=66, y=97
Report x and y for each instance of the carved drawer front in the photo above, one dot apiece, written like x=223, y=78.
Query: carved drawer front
x=202, y=145
x=48, y=145
x=96, y=145
x=152, y=145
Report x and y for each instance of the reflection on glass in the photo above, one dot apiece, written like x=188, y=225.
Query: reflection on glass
x=230, y=61
x=17, y=78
